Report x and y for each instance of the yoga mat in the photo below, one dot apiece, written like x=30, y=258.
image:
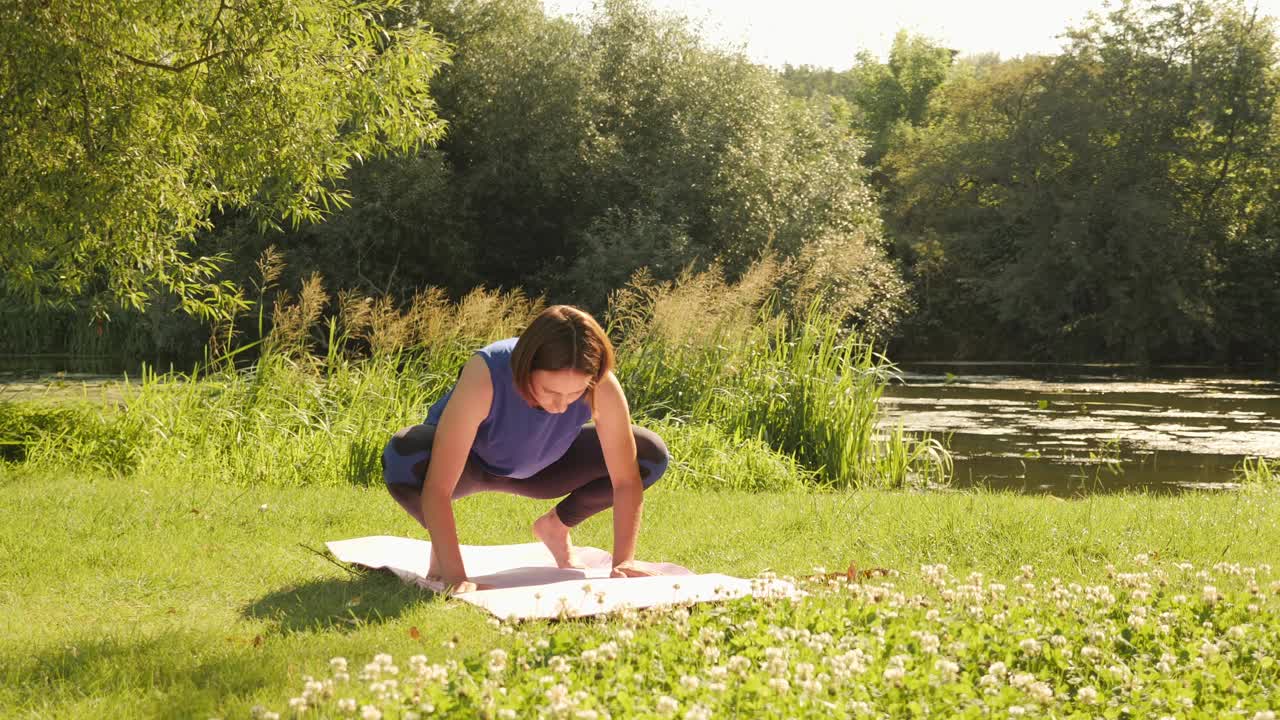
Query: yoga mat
x=528, y=585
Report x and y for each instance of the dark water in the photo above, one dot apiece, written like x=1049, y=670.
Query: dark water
x=67, y=377
x=1086, y=428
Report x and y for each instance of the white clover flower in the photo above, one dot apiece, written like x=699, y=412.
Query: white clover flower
x=506, y=714
x=338, y=664
x=928, y=643
x=383, y=659
x=1021, y=679
x=497, y=660
x=1090, y=651
x=689, y=682
x=997, y=669
x=1211, y=594
x=1236, y=632
x=1087, y=695
x=780, y=685
x=347, y=706
x=1030, y=646
x=698, y=712
x=1040, y=692
x=1264, y=715
x=298, y=705
x=369, y=712
x=1017, y=711
x=667, y=705
x=948, y=668
x=587, y=714
x=894, y=675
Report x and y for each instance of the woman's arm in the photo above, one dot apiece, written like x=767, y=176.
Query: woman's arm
x=467, y=408
x=613, y=426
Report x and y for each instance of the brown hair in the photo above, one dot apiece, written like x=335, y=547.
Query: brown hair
x=562, y=337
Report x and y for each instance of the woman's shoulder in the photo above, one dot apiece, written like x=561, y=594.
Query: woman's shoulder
x=497, y=355
x=499, y=348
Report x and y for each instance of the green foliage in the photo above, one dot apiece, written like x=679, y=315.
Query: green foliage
x=82, y=434
x=1089, y=204
x=880, y=95
x=579, y=153
x=126, y=125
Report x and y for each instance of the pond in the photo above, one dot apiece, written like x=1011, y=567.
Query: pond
x=1070, y=429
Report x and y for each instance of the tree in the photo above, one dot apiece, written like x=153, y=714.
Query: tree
x=1084, y=205
x=125, y=125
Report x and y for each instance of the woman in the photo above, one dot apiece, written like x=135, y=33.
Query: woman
x=515, y=422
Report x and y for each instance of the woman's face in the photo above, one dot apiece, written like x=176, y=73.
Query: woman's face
x=555, y=390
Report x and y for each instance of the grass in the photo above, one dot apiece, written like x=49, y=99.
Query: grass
x=1253, y=472
x=166, y=596
x=161, y=555
x=716, y=364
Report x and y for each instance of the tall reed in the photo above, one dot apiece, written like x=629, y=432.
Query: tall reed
x=706, y=351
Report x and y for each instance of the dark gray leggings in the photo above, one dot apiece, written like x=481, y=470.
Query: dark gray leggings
x=580, y=473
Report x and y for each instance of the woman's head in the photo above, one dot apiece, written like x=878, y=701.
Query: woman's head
x=559, y=357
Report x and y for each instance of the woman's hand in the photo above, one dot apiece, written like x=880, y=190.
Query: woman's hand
x=630, y=569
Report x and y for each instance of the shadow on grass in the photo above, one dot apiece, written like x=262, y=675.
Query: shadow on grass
x=174, y=675
x=341, y=604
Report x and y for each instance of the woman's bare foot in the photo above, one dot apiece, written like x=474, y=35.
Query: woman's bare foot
x=555, y=535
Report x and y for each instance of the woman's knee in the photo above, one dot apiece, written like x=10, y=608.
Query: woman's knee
x=651, y=453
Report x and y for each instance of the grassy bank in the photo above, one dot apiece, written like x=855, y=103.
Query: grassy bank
x=730, y=382
x=165, y=596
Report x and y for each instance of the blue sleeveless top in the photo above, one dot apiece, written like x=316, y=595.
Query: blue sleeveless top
x=516, y=440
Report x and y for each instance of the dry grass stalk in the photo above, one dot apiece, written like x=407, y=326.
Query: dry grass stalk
x=292, y=322
x=696, y=309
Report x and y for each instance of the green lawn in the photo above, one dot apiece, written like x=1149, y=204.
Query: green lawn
x=171, y=597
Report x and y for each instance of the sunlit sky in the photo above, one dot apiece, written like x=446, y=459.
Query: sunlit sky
x=830, y=34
